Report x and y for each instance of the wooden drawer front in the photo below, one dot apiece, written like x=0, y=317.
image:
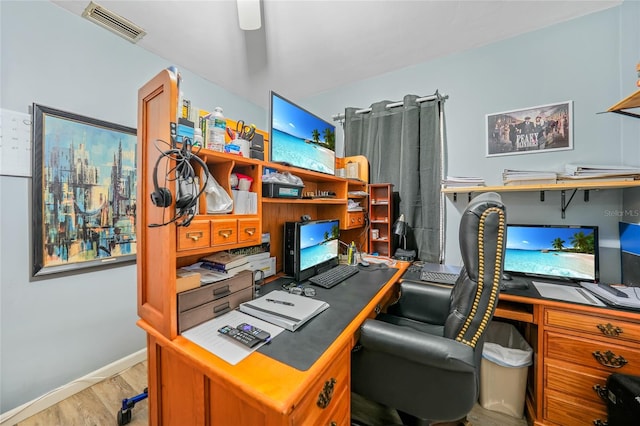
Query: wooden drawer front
x=567, y=379
x=210, y=310
x=355, y=220
x=194, y=236
x=210, y=292
x=601, y=326
x=330, y=391
x=249, y=231
x=581, y=352
x=560, y=410
x=224, y=232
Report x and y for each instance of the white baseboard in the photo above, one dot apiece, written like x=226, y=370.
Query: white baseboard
x=30, y=408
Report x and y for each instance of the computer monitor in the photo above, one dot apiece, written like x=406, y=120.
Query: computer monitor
x=300, y=138
x=311, y=247
x=563, y=252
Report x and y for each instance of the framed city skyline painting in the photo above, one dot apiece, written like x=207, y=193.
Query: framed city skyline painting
x=542, y=128
x=83, y=192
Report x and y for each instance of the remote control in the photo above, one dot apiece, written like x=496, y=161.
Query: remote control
x=243, y=337
x=612, y=290
x=255, y=331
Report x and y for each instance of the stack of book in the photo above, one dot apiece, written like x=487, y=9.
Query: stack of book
x=461, y=181
x=599, y=173
x=219, y=266
x=528, y=177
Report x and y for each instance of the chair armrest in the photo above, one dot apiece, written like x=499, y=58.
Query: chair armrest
x=423, y=302
x=422, y=348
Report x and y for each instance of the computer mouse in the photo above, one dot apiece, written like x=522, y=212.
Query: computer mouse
x=506, y=276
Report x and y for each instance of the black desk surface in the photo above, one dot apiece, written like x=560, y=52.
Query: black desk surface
x=301, y=348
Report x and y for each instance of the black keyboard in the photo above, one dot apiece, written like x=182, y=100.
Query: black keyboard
x=333, y=276
x=439, y=277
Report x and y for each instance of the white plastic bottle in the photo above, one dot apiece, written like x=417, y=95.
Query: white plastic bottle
x=217, y=126
x=197, y=137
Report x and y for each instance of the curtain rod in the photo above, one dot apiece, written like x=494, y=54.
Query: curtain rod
x=340, y=117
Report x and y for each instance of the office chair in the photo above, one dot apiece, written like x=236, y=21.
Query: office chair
x=423, y=356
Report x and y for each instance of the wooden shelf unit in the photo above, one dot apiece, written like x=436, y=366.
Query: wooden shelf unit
x=164, y=249
x=381, y=219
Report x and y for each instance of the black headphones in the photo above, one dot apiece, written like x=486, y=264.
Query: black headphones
x=161, y=196
x=187, y=192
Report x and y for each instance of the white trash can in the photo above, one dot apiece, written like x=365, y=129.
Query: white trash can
x=506, y=357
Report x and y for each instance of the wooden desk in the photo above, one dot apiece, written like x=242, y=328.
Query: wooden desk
x=190, y=386
x=576, y=347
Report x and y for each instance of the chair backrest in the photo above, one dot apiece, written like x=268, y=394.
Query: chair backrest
x=474, y=297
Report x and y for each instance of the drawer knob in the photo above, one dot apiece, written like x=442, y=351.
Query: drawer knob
x=609, y=359
x=195, y=236
x=225, y=233
x=601, y=391
x=609, y=329
x=324, y=397
x=250, y=231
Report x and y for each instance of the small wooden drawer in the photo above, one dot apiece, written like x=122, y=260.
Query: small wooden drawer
x=564, y=411
x=210, y=292
x=210, y=310
x=355, y=219
x=596, y=325
x=578, y=382
x=592, y=353
x=249, y=231
x=327, y=396
x=224, y=232
x=194, y=236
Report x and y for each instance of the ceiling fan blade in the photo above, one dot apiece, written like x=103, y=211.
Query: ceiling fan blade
x=249, y=16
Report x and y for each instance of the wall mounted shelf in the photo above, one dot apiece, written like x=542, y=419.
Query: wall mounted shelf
x=630, y=102
x=579, y=184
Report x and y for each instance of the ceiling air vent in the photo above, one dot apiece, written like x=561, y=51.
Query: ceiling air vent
x=113, y=22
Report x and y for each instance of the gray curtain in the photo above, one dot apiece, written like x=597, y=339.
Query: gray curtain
x=404, y=146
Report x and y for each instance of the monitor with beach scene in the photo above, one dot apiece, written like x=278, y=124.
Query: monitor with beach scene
x=559, y=252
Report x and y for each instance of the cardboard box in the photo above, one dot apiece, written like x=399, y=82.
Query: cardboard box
x=186, y=280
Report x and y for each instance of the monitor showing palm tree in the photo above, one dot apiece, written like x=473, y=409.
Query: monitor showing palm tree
x=567, y=252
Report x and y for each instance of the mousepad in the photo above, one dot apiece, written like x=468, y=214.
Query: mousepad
x=301, y=348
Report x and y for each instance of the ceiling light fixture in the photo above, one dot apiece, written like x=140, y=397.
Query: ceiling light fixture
x=249, y=16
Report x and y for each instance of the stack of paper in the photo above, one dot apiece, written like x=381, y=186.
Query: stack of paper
x=527, y=177
x=628, y=297
x=600, y=172
x=284, y=309
x=459, y=181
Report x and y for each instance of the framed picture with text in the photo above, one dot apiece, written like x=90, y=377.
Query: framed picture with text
x=83, y=192
x=542, y=128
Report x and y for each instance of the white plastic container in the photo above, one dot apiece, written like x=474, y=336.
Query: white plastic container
x=197, y=137
x=217, y=126
x=506, y=358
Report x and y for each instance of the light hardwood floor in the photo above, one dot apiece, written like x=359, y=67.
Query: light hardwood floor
x=99, y=405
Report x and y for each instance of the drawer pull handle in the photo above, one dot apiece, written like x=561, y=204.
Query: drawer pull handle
x=598, y=422
x=225, y=233
x=221, y=292
x=610, y=330
x=601, y=391
x=221, y=308
x=334, y=424
x=250, y=231
x=195, y=236
x=324, y=397
x=609, y=359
